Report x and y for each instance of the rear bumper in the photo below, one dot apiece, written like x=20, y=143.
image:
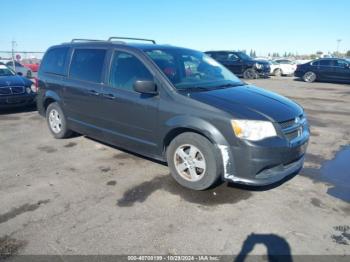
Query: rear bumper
x=266, y=164
x=17, y=100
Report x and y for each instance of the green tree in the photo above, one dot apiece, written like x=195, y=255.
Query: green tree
x=348, y=53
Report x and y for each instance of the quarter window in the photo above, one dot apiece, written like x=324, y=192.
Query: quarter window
x=87, y=65
x=54, y=61
x=126, y=69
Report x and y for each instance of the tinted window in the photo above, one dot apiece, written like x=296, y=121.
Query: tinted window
x=126, y=69
x=341, y=63
x=325, y=62
x=87, y=65
x=55, y=60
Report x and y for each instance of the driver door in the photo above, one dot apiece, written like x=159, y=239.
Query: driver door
x=129, y=118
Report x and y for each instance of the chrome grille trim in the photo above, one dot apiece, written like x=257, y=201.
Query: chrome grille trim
x=293, y=128
x=11, y=90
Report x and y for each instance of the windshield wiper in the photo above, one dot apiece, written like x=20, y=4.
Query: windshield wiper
x=195, y=88
x=230, y=85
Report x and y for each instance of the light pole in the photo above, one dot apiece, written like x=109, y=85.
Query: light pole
x=338, y=43
x=13, y=43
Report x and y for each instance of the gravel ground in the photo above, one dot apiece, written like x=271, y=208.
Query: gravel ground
x=78, y=196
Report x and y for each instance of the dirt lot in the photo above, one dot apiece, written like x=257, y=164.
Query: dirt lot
x=78, y=196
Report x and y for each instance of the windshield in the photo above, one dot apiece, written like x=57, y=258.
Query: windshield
x=4, y=71
x=188, y=69
x=244, y=56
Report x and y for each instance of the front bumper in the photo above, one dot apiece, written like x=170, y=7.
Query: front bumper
x=17, y=100
x=264, y=72
x=261, y=165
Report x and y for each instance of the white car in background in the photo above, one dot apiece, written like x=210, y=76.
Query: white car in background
x=282, y=68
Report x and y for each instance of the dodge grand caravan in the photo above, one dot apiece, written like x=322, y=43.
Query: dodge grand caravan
x=175, y=105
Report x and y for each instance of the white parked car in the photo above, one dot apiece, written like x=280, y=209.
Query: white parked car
x=282, y=69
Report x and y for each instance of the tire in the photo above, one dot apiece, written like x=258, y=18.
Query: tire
x=309, y=77
x=250, y=73
x=56, y=121
x=201, y=169
x=277, y=72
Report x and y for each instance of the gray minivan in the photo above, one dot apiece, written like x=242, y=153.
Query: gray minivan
x=175, y=105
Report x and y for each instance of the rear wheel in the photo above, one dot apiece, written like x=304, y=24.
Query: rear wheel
x=250, y=73
x=57, y=121
x=309, y=77
x=192, y=161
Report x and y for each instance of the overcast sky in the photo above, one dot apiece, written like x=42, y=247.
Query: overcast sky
x=266, y=26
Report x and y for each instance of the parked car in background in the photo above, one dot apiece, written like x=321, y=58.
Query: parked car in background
x=18, y=68
x=280, y=69
x=173, y=104
x=326, y=69
x=285, y=61
x=15, y=90
x=241, y=64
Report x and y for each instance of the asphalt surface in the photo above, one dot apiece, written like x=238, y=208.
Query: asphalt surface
x=78, y=196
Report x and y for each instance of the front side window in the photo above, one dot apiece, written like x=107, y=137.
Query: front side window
x=54, y=60
x=188, y=69
x=87, y=65
x=341, y=63
x=325, y=62
x=126, y=69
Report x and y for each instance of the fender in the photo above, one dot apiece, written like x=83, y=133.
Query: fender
x=211, y=132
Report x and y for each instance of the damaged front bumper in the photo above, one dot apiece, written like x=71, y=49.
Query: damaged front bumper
x=262, y=164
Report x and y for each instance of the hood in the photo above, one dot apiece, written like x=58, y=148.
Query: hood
x=14, y=81
x=250, y=102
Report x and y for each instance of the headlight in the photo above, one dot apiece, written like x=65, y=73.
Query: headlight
x=28, y=90
x=253, y=130
x=33, y=88
x=258, y=66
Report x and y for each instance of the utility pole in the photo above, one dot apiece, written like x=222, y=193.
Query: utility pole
x=13, y=44
x=338, y=43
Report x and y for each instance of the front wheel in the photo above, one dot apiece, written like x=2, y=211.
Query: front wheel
x=57, y=121
x=193, y=161
x=250, y=73
x=309, y=77
x=277, y=72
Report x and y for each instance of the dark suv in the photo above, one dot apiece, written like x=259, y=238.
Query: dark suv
x=241, y=64
x=175, y=105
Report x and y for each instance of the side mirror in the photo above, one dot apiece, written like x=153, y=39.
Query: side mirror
x=145, y=87
x=19, y=73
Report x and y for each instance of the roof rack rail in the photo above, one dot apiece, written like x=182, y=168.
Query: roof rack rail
x=130, y=38
x=84, y=40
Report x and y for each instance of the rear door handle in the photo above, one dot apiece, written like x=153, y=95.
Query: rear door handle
x=108, y=96
x=93, y=92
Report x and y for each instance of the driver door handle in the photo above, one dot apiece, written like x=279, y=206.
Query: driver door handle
x=93, y=92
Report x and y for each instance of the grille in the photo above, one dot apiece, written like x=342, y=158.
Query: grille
x=287, y=123
x=12, y=90
x=291, y=129
x=293, y=134
x=17, y=90
x=5, y=91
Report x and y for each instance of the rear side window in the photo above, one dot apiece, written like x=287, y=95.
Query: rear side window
x=54, y=61
x=325, y=62
x=87, y=65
